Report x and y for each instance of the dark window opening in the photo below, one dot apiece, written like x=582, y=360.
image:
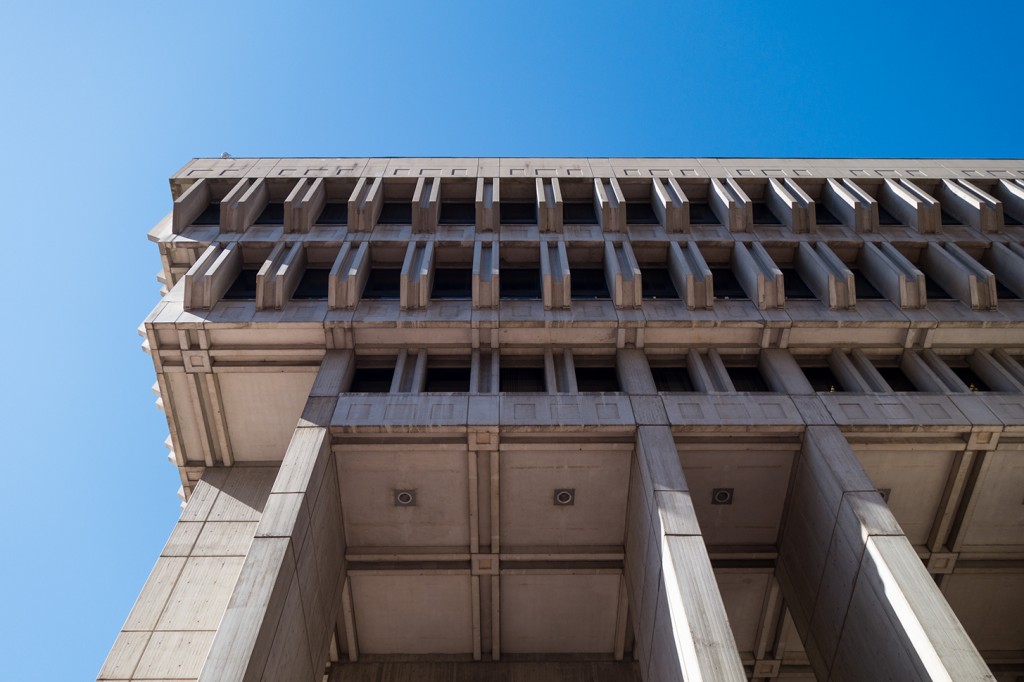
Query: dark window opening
x=822, y=379
x=313, y=285
x=795, y=286
x=1004, y=293
x=273, y=214
x=447, y=380
x=935, y=291
x=244, y=286
x=726, y=285
x=657, y=283
x=747, y=380
x=1008, y=219
x=522, y=380
x=672, y=379
x=763, y=215
x=824, y=216
x=457, y=213
x=701, y=214
x=579, y=213
x=519, y=283
x=897, y=380
x=641, y=214
x=383, y=284
x=333, y=214
x=864, y=289
x=452, y=283
x=518, y=212
x=372, y=380
x=588, y=283
x=973, y=381
x=211, y=215
x=886, y=218
x=395, y=213
x=950, y=219
x=596, y=379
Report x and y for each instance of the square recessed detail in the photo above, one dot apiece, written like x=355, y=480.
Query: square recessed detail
x=565, y=497
x=721, y=496
x=405, y=498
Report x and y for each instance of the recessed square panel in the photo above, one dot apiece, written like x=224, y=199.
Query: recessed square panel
x=369, y=480
x=413, y=614
x=599, y=478
x=559, y=613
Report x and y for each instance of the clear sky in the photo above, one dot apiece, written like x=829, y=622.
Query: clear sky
x=102, y=102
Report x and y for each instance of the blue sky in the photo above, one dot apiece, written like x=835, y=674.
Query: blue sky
x=101, y=103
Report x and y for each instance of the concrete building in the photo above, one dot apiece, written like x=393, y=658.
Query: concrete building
x=589, y=419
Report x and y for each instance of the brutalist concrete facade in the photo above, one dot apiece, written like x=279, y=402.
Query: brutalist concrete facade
x=589, y=419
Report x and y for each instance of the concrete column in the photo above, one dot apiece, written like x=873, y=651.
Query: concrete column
x=287, y=603
x=860, y=597
x=175, y=619
x=682, y=631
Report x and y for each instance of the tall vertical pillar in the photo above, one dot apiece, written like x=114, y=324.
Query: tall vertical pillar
x=860, y=597
x=285, y=607
x=682, y=631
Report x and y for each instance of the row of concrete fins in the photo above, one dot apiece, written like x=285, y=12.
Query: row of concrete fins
x=825, y=274
x=789, y=202
x=708, y=373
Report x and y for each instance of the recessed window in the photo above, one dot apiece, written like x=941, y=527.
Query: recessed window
x=518, y=212
x=701, y=214
x=383, y=284
x=657, y=283
x=519, y=283
x=934, y=290
x=672, y=379
x=897, y=380
x=726, y=285
x=596, y=380
x=457, y=213
x=333, y=214
x=973, y=381
x=747, y=380
x=589, y=283
x=313, y=285
x=824, y=216
x=822, y=379
x=244, y=286
x=395, y=213
x=372, y=380
x=950, y=219
x=865, y=290
x=273, y=214
x=1004, y=293
x=522, y=380
x=211, y=215
x=447, y=380
x=886, y=218
x=795, y=286
x=579, y=213
x=452, y=284
x=763, y=215
x=641, y=213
